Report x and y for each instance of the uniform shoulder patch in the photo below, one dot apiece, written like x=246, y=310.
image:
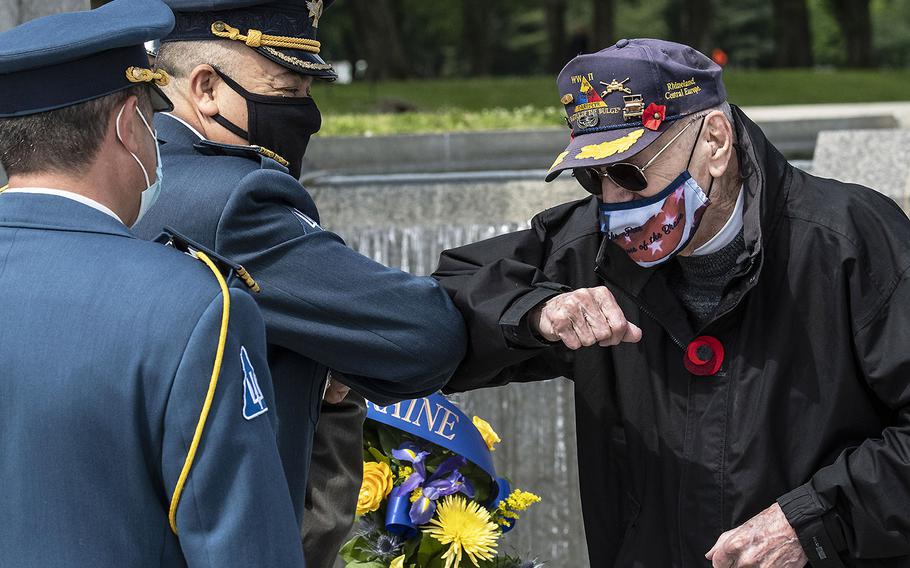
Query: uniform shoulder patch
x=253, y=399
x=308, y=223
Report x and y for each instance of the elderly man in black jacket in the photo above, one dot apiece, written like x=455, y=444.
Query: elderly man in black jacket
x=734, y=328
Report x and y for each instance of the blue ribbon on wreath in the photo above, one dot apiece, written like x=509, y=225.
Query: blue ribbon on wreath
x=434, y=419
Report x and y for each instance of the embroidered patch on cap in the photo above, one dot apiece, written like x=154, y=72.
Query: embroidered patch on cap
x=253, y=399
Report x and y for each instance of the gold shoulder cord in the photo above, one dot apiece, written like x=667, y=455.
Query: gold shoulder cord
x=248, y=279
x=210, y=395
x=271, y=154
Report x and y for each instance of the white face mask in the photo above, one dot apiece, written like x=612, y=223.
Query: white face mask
x=150, y=195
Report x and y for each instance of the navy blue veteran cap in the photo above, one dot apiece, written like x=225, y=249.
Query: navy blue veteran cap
x=622, y=98
x=70, y=58
x=281, y=30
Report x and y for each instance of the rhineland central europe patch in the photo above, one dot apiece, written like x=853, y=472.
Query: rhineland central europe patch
x=253, y=399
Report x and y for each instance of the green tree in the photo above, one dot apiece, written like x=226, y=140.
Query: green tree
x=744, y=33
x=603, y=24
x=855, y=22
x=555, y=23
x=792, y=37
x=891, y=32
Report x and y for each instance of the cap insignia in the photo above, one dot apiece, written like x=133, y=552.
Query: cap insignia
x=634, y=107
x=615, y=86
x=611, y=147
x=139, y=75
x=315, y=7
x=588, y=98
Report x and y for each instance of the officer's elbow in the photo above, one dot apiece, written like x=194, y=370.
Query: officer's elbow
x=441, y=352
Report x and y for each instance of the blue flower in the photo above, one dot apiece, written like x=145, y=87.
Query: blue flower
x=446, y=480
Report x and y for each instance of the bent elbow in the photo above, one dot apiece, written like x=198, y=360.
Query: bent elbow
x=443, y=351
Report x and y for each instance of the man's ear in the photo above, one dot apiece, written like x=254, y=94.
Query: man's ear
x=202, y=83
x=718, y=133
x=131, y=128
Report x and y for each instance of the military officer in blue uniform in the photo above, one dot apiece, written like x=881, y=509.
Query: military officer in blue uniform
x=232, y=151
x=136, y=419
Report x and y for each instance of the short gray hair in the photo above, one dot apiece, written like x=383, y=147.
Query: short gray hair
x=65, y=140
x=725, y=108
x=179, y=58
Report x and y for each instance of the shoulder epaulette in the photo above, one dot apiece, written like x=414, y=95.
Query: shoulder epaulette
x=209, y=148
x=172, y=238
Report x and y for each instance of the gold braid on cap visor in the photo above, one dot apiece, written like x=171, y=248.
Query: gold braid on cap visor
x=255, y=38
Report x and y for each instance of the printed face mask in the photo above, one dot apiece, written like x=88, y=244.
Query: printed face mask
x=652, y=231
x=150, y=195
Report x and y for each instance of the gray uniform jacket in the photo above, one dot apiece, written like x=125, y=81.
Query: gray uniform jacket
x=107, y=349
x=392, y=335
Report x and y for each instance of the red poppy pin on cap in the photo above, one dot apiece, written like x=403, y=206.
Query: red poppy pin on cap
x=704, y=356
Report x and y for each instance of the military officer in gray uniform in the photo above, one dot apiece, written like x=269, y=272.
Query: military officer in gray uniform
x=136, y=419
x=232, y=151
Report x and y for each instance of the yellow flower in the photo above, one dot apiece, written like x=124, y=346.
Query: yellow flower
x=467, y=528
x=507, y=511
x=398, y=562
x=489, y=435
x=377, y=484
x=520, y=500
x=416, y=494
x=404, y=472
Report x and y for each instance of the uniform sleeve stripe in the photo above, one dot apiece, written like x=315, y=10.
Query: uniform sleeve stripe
x=210, y=395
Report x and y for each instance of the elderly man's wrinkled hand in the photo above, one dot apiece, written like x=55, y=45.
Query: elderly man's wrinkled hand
x=765, y=541
x=583, y=318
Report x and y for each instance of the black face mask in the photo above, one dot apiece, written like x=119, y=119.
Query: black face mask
x=280, y=124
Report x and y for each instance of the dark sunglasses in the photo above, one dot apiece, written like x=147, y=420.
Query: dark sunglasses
x=630, y=176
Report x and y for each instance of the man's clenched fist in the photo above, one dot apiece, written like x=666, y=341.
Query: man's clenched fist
x=765, y=541
x=582, y=318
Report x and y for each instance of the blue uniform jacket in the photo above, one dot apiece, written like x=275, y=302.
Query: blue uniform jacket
x=393, y=335
x=106, y=352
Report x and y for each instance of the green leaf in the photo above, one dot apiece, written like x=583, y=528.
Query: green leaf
x=430, y=550
x=354, y=550
x=369, y=564
x=389, y=440
x=411, y=546
x=379, y=456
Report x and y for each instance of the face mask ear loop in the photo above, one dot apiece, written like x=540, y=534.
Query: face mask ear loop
x=710, y=187
x=697, y=136
x=146, y=123
x=224, y=122
x=148, y=183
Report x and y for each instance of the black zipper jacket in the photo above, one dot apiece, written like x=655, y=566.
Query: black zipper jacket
x=810, y=408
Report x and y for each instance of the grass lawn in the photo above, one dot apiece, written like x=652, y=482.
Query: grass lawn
x=532, y=102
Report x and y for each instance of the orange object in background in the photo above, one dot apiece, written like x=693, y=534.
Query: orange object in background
x=719, y=56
